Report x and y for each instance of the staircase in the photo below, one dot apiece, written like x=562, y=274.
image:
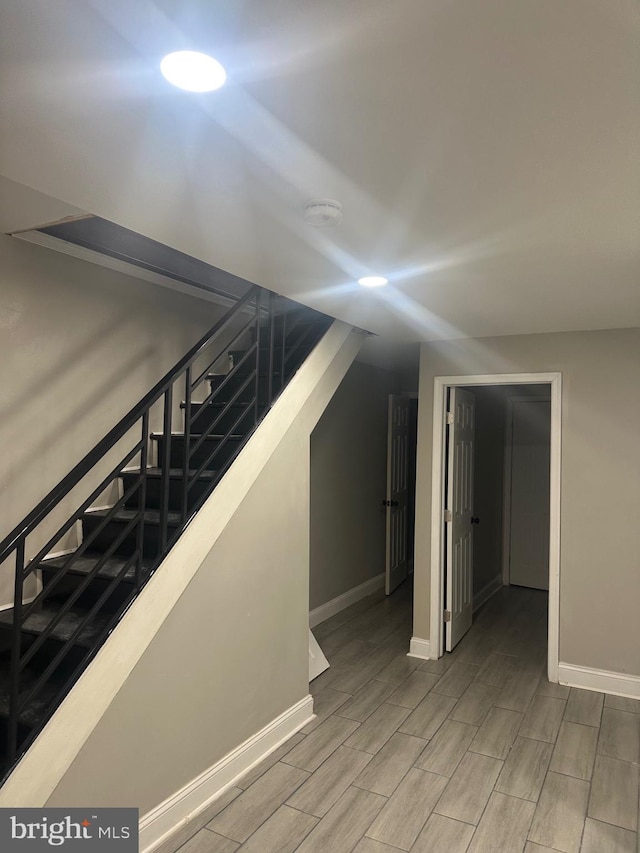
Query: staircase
x=160, y=482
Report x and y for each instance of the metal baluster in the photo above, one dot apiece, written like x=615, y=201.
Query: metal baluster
x=165, y=465
x=16, y=653
x=282, y=354
x=142, y=496
x=257, y=342
x=272, y=340
x=187, y=442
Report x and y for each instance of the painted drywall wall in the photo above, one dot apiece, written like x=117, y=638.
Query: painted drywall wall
x=600, y=537
x=79, y=346
x=491, y=414
x=488, y=485
x=348, y=484
x=233, y=652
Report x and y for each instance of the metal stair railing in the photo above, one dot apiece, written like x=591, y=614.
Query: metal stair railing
x=260, y=314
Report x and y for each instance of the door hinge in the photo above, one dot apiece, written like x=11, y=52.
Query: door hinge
x=447, y=616
x=450, y=418
x=447, y=515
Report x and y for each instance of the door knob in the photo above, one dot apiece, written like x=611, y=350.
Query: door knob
x=475, y=519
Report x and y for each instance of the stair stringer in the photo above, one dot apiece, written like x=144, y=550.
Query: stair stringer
x=54, y=770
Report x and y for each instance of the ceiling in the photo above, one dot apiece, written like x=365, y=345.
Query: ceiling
x=486, y=154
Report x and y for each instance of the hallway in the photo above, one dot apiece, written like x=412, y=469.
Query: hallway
x=475, y=752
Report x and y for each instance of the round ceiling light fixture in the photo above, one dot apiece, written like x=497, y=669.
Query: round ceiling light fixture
x=373, y=281
x=193, y=71
x=323, y=212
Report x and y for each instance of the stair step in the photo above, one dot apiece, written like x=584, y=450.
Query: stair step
x=113, y=528
x=174, y=473
x=37, y=707
x=59, y=583
x=83, y=565
x=226, y=452
x=248, y=394
x=126, y=514
x=64, y=630
x=209, y=414
x=154, y=487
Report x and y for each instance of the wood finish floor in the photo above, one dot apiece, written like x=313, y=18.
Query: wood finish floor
x=474, y=753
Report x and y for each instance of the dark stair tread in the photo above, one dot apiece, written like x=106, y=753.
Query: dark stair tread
x=218, y=405
x=212, y=377
x=174, y=473
x=39, y=705
x=66, y=627
x=84, y=565
x=151, y=516
x=232, y=408
x=159, y=436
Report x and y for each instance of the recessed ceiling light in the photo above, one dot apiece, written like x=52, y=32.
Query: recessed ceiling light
x=372, y=281
x=193, y=71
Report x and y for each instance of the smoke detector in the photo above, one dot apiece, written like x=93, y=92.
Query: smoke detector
x=323, y=212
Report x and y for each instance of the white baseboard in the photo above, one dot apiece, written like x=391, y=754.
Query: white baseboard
x=163, y=821
x=419, y=649
x=326, y=611
x=603, y=681
x=487, y=591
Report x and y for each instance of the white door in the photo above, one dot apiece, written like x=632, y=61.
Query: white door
x=459, y=516
x=397, y=491
x=529, y=513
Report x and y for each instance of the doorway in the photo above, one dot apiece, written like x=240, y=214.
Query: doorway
x=443, y=547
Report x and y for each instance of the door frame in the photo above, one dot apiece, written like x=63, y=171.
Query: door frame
x=440, y=386
x=506, y=485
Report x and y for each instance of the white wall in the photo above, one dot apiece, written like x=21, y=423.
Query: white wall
x=600, y=534
x=488, y=485
x=79, y=346
x=348, y=484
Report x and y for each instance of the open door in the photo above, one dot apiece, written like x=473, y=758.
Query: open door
x=459, y=518
x=397, y=491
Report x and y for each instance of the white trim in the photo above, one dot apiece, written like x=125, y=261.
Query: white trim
x=438, y=501
x=487, y=591
x=341, y=602
x=183, y=806
x=419, y=649
x=440, y=385
x=54, y=555
x=604, y=681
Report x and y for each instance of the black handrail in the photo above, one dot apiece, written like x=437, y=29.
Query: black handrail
x=268, y=319
x=83, y=467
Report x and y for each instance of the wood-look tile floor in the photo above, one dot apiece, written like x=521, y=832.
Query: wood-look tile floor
x=474, y=752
